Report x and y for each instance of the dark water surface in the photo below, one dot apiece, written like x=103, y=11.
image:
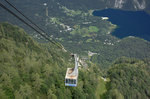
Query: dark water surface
x=130, y=23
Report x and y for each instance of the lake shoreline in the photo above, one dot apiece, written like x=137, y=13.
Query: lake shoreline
x=130, y=23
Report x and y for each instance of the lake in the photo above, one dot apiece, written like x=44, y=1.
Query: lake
x=130, y=23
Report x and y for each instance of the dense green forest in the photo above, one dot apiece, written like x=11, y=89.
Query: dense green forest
x=31, y=70
x=130, y=79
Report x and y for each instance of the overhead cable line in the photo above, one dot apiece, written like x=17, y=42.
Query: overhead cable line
x=42, y=34
x=24, y=16
x=24, y=21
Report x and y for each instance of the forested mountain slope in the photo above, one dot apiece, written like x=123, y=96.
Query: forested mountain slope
x=128, y=47
x=129, y=79
x=31, y=70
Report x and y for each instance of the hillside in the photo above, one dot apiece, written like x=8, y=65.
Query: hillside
x=129, y=79
x=128, y=47
x=31, y=70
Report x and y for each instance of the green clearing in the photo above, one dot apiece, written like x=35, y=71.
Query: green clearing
x=55, y=20
x=101, y=89
x=93, y=29
x=85, y=31
x=88, y=40
x=71, y=12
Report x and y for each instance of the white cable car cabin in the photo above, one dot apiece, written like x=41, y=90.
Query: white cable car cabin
x=71, y=78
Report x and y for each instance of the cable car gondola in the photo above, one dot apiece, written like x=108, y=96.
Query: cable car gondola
x=71, y=77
